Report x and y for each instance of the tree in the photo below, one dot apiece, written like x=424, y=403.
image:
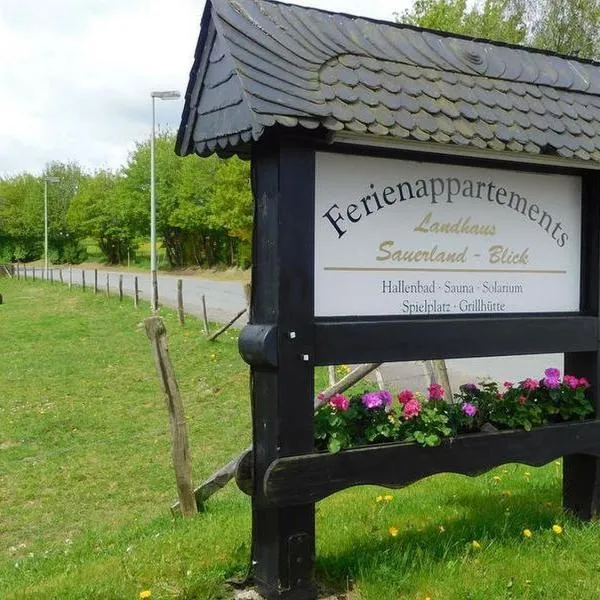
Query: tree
x=502, y=20
x=99, y=210
x=567, y=26
x=21, y=218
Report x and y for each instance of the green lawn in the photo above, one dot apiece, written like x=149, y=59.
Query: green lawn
x=86, y=481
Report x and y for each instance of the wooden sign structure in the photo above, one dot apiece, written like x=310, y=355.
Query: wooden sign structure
x=417, y=196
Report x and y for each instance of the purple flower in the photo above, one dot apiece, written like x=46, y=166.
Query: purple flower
x=469, y=409
x=470, y=388
x=386, y=397
x=377, y=399
x=552, y=379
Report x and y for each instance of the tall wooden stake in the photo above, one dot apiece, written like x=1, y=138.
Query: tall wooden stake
x=120, y=288
x=204, y=315
x=180, y=302
x=95, y=281
x=182, y=461
x=136, y=292
x=82, y=280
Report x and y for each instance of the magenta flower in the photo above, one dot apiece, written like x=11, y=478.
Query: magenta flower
x=584, y=383
x=508, y=385
x=411, y=409
x=552, y=373
x=405, y=396
x=377, y=399
x=469, y=409
x=531, y=384
x=436, y=391
x=572, y=382
x=340, y=402
x=386, y=397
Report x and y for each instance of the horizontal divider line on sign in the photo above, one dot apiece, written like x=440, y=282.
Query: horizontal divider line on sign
x=426, y=270
x=392, y=340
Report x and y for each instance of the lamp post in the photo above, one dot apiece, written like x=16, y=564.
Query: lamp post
x=47, y=180
x=166, y=95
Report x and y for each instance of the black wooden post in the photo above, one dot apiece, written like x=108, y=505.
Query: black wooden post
x=283, y=544
x=581, y=472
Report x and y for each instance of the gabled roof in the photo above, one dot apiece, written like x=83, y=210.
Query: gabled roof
x=261, y=63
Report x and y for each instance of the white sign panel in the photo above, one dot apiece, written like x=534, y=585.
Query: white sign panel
x=406, y=238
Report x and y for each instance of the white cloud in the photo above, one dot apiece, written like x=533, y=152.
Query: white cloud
x=76, y=75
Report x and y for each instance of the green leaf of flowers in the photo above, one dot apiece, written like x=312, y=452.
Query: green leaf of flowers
x=334, y=445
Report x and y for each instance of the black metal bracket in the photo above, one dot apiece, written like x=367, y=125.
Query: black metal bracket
x=258, y=345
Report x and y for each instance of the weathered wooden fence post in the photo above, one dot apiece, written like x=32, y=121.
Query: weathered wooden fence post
x=136, y=292
x=33, y=273
x=70, y=276
x=180, y=302
x=107, y=285
x=25, y=272
x=182, y=461
x=18, y=272
x=82, y=280
x=51, y=275
x=60, y=273
x=95, y=281
x=204, y=316
x=120, y=288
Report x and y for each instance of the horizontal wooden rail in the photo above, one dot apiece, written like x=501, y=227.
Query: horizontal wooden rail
x=298, y=480
x=390, y=340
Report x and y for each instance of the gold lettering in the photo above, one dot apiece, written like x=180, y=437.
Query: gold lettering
x=462, y=226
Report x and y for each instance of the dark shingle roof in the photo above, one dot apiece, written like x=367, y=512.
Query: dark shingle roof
x=260, y=63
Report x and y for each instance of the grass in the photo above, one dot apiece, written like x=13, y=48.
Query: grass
x=86, y=481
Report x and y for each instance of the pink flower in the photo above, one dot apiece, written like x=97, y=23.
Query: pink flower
x=508, y=385
x=522, y=400
x=531, y=384
x=411, y=409
x=572, y=382
x=405, y=396
x=584, y=383
x=340, y=402
x=436, y=391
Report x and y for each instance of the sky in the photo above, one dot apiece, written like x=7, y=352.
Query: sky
x=76, y=75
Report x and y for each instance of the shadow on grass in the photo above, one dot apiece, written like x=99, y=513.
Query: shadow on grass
x=483, y=517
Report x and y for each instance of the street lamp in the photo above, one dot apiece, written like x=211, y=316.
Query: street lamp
x=166, y=95
x=47, y=180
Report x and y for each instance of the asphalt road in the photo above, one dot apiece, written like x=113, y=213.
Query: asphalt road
x=225, y=299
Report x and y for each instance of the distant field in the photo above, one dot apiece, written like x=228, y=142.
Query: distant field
x=86, y=481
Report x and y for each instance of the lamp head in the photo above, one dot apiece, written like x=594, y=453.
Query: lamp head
x=166, y=95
